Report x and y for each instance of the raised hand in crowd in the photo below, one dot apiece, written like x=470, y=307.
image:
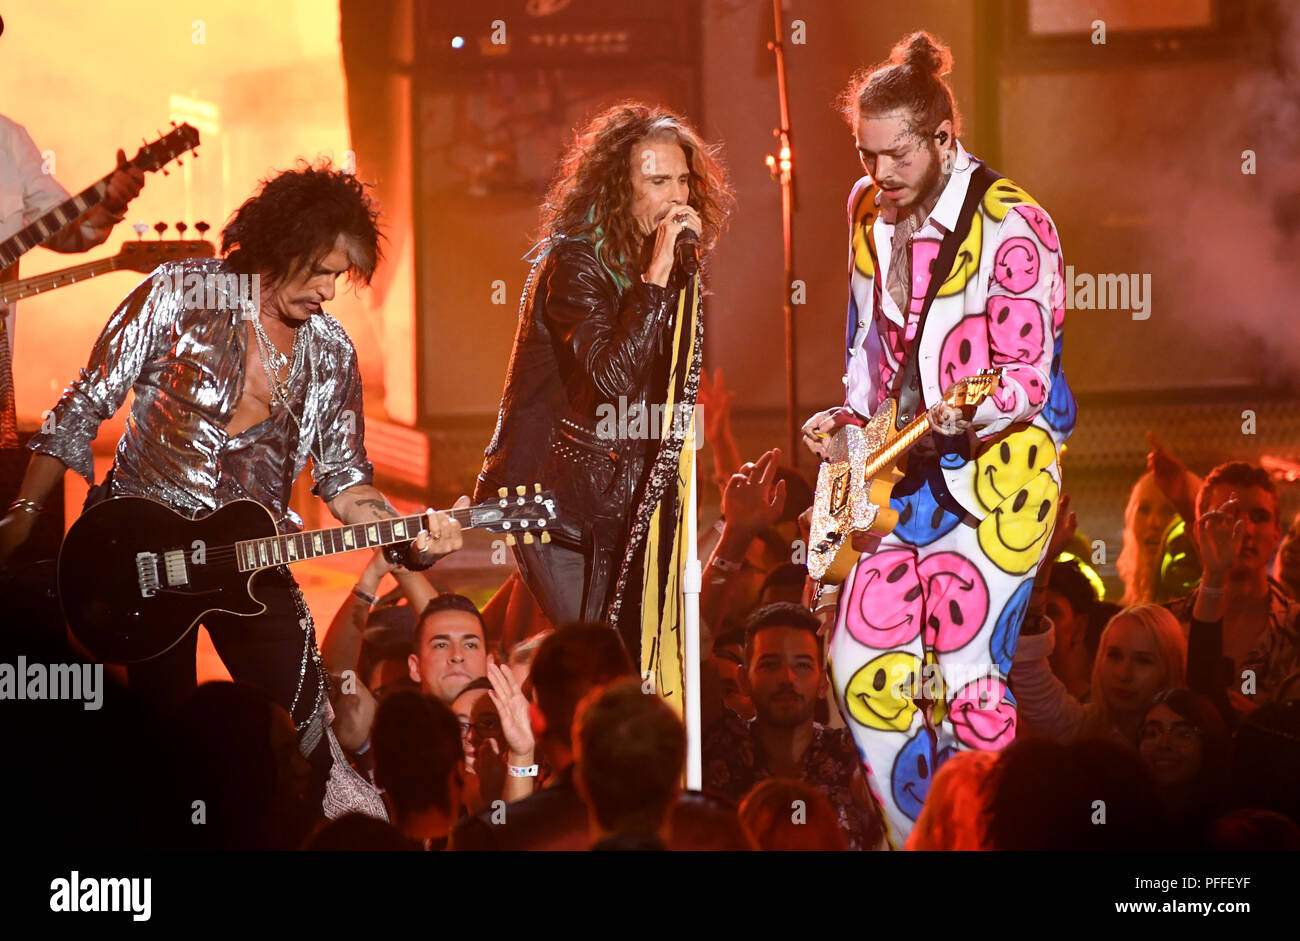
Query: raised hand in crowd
x=715, y=400
x=1173, y=478
x=514, y=711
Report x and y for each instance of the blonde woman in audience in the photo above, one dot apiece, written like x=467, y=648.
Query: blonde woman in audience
x=1142, y=651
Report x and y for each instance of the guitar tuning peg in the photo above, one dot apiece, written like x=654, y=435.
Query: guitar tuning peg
x=528, y=539
x=546, y=537
x=521, y=490
x=537, y=488
x=160, y=228
x=510, y=539
x=173, y=123
x=202, y=227
x=503, y=492
x=140, y=229
x=181, y=227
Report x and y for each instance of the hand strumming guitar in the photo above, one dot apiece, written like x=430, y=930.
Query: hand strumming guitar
x=817, y=430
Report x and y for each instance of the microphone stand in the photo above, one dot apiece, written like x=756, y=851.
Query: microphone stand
x=781, y=166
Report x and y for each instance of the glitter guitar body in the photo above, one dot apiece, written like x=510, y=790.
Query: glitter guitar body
x=851, y=511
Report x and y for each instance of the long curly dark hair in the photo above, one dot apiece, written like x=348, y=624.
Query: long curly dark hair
x=591, y=196
x=297, y=217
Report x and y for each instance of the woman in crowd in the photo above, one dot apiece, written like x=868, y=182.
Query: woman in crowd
x=1183, y=744
x=1142, y=651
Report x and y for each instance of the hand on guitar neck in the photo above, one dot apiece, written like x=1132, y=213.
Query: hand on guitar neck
x=96, y=223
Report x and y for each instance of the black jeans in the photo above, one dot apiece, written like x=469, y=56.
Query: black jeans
x=274, y=651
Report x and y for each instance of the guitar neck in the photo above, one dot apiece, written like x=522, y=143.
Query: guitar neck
x=889, y=455
x=44, y=228
x=17, y=290
x=271, y=551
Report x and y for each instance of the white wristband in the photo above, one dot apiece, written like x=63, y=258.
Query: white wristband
x=530, y=772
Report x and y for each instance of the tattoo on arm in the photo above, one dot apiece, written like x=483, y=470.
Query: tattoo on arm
x=379, y=507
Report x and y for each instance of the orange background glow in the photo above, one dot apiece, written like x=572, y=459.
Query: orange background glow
x=264, y=89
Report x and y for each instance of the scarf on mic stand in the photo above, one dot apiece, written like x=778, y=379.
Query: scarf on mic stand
x=656, y=551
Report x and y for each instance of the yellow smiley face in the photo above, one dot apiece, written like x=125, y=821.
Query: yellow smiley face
x=1014, y=535
x=880, y=694
x=1004, y=466
x=864, y=215
x=967, y=262
x=1002, y=196
x=933, y=685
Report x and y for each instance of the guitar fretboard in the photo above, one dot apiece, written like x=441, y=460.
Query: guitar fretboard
x=906, y=438
x=40, y=231
x=48, y=282
x=284, y=550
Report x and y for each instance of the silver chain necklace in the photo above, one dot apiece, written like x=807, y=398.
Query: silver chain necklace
x=272, y=358
x=269, y=355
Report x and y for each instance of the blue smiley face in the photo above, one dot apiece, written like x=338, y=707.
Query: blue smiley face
x=910, y=780
x=1002, y=646
x=921, y=520
x=1060, y=410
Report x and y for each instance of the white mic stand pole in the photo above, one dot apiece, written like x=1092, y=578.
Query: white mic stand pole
x=692, y=579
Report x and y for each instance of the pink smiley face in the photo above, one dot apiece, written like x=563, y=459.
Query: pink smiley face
x=1016, y=332
x=1016, y=265
x=983, y=714
x=965, y=350
x=1028, y=379
x=956, y=597
x=1058, y=296
x=924, y=253
x=885, y=604
x=1042, y=226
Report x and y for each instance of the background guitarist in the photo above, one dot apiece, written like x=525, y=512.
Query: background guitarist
x=927, y=624
x=230, y=401
x=27, y=191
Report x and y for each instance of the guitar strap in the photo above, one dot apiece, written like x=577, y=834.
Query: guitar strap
x=906, y=390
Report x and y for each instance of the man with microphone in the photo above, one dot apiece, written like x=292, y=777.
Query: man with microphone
x=606, y=362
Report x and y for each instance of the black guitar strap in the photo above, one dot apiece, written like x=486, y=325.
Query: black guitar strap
x=906, y=390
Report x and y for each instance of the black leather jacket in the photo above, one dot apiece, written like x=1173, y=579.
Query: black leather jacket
x=581, y=344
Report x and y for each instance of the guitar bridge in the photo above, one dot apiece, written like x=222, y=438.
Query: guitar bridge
x=146, y=568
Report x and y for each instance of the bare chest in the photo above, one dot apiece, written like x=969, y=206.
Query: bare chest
x=254, y=405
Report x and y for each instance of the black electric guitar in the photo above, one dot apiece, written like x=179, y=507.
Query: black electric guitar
x=134, y=576
x=150, y=157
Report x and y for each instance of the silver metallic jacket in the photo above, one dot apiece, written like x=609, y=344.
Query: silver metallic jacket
x=180, y=345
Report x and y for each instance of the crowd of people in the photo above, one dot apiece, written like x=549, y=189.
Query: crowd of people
x=1168, y=720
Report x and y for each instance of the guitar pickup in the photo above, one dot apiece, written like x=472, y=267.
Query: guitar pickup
x=146, y=568
x=177, y=574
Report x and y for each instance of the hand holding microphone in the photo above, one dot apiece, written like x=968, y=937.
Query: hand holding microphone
x=677, y=241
